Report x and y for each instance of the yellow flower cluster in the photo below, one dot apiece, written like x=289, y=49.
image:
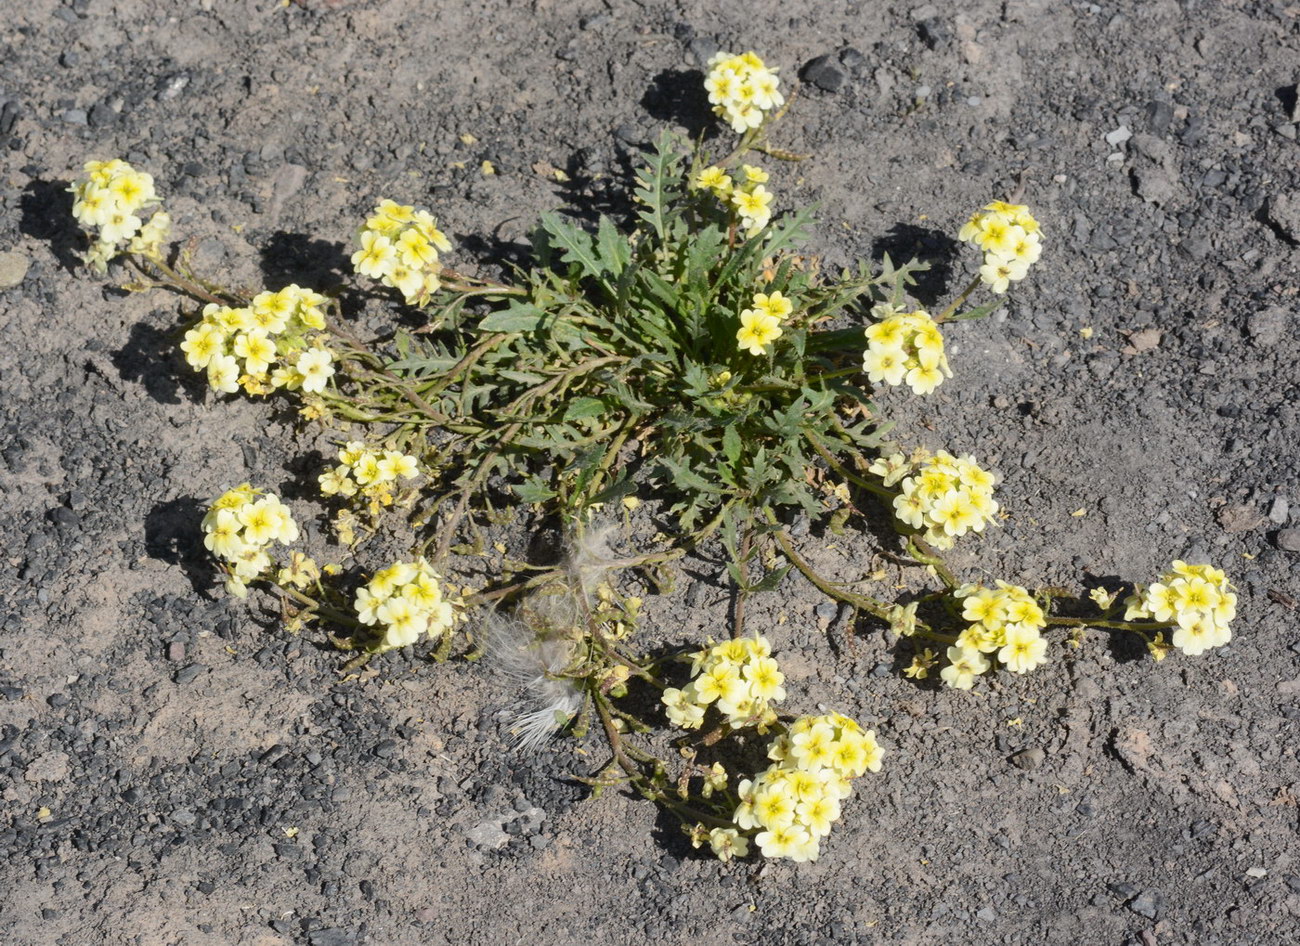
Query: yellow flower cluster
x=738, y=676
x=905, y=346
x=407, y=600
x=1199, y=598
x=113, y=198
x=742, y=90
x=240, y=526
x=943, y=496
x=263, y=346
x=1005, y=620
x=795, y=800
x=400, y=247
x=368, y=472
x=761, y=325
x=1010, y=238
x=749, y=199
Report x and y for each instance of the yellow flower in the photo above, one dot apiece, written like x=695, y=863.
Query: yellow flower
x=336, y=482
x=376, y=257
x=715, y=179
x=923, y=380
x=427, y=226
x=742, y=89
x=223, y=374
x=964, y=665
x=885, y=364
x=817, y=815
x=720, y=682
x=223, y=537
x=256, y=349
x=998, y=273
x=1025, y=649
x=774, y=304
x=753, y=206
x=271, y=310
x=728, y=843
x=789, y=841
x=757, y=331
x=774, y=807
x=394, y=464
x=765, y=679
x=405, y=622
x=201, y=343
x=316, y=366
x=416, y=249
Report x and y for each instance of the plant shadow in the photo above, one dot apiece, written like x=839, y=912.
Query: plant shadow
x=45, y=214
x=304, y=260
x=147, y=358
x=674, y=98
x=587, y=195
x=172, y=535
x=906, y=241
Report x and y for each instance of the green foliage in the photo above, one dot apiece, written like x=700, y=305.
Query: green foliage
x=619, y=362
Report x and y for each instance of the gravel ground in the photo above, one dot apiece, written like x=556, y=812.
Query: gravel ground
x=176, y=769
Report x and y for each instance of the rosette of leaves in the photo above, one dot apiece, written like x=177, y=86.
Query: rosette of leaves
x=617, y=363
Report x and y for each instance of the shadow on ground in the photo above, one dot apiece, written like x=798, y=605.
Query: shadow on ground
x=905, y=241
x=149, y=358
x=45, y=209
x=171, y=535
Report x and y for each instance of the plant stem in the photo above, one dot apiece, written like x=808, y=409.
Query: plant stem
x=870, y=486
x=957, y=303
x=179, y=282
x=1140, y=627
x=864, y=602
x=314, y=606
x=923, y=552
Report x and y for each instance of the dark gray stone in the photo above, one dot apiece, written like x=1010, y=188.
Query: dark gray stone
x=1288, y=540
x=188, y=674
x=934, y=32
x=101, y=115
x=1148, y=903
x=331, y=937
x=823, y=73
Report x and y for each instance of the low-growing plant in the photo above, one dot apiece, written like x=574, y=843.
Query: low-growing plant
x=697, y=355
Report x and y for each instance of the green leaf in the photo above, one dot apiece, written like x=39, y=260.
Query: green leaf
x=578, y=249
x=614, y=249
x=686, y=478
x=423, y=365
x=584, y=407
x=534, y=490
x=979, y=312
x=519, y=317
x=772, y=580
x=658, y=184
x=731, y=445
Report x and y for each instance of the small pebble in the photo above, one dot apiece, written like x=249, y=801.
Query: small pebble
x=188, y=674
x=1029, y=759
